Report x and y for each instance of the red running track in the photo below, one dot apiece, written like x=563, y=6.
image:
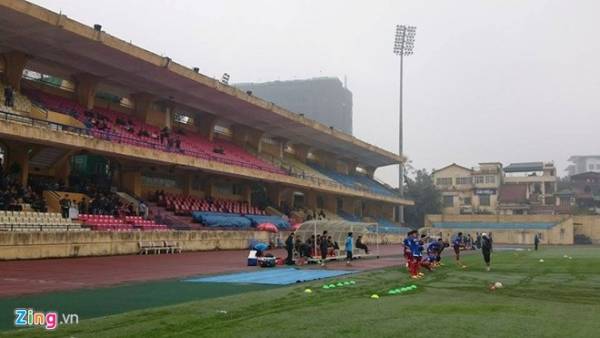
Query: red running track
x=46, y=275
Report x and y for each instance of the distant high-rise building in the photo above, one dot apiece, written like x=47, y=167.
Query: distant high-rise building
x=323, y=99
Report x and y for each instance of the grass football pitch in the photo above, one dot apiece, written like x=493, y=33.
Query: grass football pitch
x=559, y=297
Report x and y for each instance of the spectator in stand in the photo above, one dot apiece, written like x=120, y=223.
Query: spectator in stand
x=83, y=206
x=143, y=210
x=130, y=210
x=9, y=99
x=322, y=214
x=65, y=204
x=120, y=121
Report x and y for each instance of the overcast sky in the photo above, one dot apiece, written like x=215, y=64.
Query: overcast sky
x=490, y=80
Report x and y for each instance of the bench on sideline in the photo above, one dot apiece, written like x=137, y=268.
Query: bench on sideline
x=159, y=247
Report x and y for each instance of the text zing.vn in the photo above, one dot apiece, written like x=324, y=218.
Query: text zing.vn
x=48, y=320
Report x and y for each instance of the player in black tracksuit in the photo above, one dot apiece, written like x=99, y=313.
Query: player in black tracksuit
x=486, y=250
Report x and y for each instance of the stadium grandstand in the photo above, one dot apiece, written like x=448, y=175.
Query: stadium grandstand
x=113, y=137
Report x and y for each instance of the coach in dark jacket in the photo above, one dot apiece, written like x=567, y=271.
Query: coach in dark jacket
x=486, y=250
x=289, y=246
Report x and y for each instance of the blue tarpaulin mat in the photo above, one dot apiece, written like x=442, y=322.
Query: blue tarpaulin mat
x=277, y=276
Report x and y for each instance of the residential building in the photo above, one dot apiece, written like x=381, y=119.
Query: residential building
x=490, y=188
x=528, y=188
x=581, y=164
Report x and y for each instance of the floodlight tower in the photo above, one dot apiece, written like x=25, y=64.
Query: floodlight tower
x=403, y=46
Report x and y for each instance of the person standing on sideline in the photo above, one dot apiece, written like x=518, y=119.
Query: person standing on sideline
x=486, y=250
x=324, y=246
x=348, y=246
x=289, y=246
x=536, y=241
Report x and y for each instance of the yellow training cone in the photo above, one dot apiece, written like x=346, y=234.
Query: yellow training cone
x=375, y=296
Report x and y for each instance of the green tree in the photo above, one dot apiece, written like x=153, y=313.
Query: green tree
x=428, y=200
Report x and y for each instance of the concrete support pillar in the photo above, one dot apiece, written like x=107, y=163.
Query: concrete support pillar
x=327, y=160
x=187, y=183
x=62, y=168
x=142, y=103
x=86, y=89
x=274, y=194
x=310, y=200
x=370, y=171
x=247, y=193
x=19, y=154
x=14, y=63
x=301, y=151
x=351, y=166
x=329, y=203
x=205, y=123
x=244, y=135
x=283, y=142
x=132, y=181
x=208, y=187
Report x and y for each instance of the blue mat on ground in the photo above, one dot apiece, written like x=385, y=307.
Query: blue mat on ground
x=276, y=276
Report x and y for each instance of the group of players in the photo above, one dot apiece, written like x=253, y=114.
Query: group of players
x=420, y=252
x=424, y=252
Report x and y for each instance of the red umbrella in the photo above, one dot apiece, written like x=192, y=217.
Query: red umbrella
x=267, y=227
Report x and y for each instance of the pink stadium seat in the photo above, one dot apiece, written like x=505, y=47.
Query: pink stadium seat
x=191, y=145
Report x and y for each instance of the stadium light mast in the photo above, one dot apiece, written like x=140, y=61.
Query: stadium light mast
x=403, y=46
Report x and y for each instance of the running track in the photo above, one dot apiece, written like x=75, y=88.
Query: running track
x=46, y=275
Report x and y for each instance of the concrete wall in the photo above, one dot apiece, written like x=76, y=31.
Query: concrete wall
x=562, y=233
x=588, y=226
x=35, y=245
x=429, y=219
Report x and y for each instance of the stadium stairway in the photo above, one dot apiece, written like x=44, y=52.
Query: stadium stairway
x=46, y=157
x=126, y=199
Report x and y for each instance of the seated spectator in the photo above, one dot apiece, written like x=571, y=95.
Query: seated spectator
x=143, y=133
x=361, y=245
x=120, y=121
x=219, y=150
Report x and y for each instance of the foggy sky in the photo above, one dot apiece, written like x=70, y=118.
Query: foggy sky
x=489, y=81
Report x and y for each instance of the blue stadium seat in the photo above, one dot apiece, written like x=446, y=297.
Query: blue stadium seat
x=355, y=181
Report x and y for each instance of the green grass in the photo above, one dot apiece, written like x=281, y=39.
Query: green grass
x=557, y=298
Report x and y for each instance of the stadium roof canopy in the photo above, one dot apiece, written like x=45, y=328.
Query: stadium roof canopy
x=55, y=41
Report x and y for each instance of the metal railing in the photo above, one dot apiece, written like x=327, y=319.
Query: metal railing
x=123, y=139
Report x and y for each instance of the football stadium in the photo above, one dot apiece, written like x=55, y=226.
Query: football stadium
x=142, y=198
